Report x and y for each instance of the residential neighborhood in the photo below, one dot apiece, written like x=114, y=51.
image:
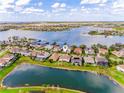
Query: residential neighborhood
x=42, y=51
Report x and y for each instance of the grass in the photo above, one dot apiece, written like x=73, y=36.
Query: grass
x=42, y=89
x=2, y=53
x=117, y=75
x=119, y=28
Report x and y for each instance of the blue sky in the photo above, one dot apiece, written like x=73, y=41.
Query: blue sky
x=61, y=10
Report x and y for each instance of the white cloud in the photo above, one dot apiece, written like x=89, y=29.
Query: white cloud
x=83, y=10
x=58, y=5
x=6, y=2
x=18, y=8
x=92, y=1
x=33, y=10
x=22, y=2
x=73, y=9
x=40, y=4
x=118, y=4
x=62, y=5
x=118, y=7
x=55, y=5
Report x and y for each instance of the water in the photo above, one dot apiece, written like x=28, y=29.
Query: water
x=72, y=37
x=84, y=81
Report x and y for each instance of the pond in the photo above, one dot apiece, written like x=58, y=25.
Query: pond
x=76, y=36
x=32, y=75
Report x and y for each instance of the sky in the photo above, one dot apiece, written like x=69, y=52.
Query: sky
x=61, y=10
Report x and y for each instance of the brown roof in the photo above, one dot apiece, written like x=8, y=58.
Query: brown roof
x=119, y=53
x=54, y=56
x=89, y=59
x=78, y=50
x=65, y=56
x=103, y=51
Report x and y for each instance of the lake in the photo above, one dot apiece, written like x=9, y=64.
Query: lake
x=84, y=81
x=74, y=36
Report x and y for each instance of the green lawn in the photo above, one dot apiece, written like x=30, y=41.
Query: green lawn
x=2, y=53
x=46, y=90
x=119, y=28
x=117, y=75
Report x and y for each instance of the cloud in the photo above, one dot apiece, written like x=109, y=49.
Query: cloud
x=6, y=2
x=40, y=4
x=118, y=4
x=33, y=10
x=92, y=1
x=58, y=5
x=73, y=9
x=118, y=7
x=22, y=2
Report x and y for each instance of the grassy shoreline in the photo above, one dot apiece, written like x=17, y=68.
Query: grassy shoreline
x=38, y=88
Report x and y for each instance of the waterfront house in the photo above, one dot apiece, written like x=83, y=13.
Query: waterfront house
x=78, y=51
x=15, y=50
x=33, y=54
x=54, y=57
x=102, y=61
x=89, y=51
x=48, y=47
x=120, y=68
x=42, y=56
x=2, y=63
x=65, y=57
x=103, y=51
x=6, y=60
x=56, y=48
x=119, y=53
x=76, y=60
x=37, y=45
x=25, y=53
x=89, y=60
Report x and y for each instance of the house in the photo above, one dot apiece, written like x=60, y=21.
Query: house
x=101, y=61
x=89, y=51
x=48, y=47
x=2, y=63
x=25, y=53
x=54, y=57
x=66, y=49
x=37, y=45
x=6, y=60
x=103, y=51
x=120, y=68
x=33, y=53
x=78, y=51
x=42, y=56
x=15, y=50
x=56, y=48
x=76, y=60
x=89, y=60
x=119, y=53
x=65, y=58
